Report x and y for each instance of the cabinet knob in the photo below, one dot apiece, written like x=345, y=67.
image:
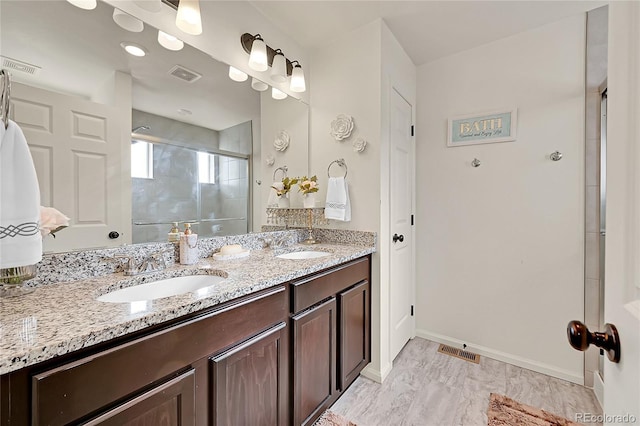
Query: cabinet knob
x=113, y=235
x=580, y=338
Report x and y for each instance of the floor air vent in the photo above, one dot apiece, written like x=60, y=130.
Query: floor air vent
x=459, y=353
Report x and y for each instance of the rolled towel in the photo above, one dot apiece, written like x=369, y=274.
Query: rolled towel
x=272, y=201
x=20, y=239
x=338, y=204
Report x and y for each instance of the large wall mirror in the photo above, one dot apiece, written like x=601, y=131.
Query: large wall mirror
x=130, y=144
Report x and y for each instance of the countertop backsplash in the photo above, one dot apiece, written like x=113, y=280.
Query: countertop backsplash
x=79, y=265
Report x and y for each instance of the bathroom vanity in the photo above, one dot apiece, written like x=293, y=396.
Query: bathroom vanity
x=279, y=354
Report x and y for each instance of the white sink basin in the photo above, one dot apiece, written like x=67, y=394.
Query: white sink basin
x=297, y=255
x=161, y=288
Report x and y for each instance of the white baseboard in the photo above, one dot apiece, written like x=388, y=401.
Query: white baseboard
x=505, y=357
x=598, y=388
x=376, y=375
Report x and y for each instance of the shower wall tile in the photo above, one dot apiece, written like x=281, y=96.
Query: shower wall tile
x=592, y=255
x=592, y=162
x=592, y=116
x=592, y=216
x=592, y=303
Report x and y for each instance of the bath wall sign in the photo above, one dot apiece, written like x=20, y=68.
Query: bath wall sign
x=488, y=127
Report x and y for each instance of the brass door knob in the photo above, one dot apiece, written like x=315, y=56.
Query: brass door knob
x=580, y=338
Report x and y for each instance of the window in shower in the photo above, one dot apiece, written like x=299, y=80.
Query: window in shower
x=206, y=167
x=141, y=159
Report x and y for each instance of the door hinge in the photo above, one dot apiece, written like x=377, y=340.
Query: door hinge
x=412, y=130
x=411, y=220
x=411, y=310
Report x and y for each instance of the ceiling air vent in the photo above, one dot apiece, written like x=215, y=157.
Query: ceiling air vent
x=15, y=65
x=184, y=74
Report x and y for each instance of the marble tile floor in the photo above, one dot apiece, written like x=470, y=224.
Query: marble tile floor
x=426, y=388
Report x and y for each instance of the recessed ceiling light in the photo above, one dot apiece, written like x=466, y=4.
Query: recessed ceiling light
x=133, y=49
x=184, y=111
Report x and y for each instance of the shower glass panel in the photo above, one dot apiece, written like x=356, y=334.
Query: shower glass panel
x=209, y=190
x=603, y=210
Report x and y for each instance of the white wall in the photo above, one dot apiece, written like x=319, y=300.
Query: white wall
x=501, y=246
x=346, y=79
x=354, y=76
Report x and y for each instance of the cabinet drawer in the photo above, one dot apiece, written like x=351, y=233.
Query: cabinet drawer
x=74, y=390
x=309, y=291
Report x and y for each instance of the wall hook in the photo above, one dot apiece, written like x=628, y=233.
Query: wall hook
x=475, y=162
x=556, y=156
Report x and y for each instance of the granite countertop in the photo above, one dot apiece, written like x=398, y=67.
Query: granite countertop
x=60, y=318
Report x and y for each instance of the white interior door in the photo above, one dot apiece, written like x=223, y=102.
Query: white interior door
x=401, y=251
x=622, y=288
x=76, y=148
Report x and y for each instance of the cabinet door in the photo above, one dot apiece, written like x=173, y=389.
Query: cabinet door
x=314, y=352
x=249, y=381
x=169, y=404
x=355, y=332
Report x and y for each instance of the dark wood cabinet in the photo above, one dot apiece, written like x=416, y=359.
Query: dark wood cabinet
x=354, y=346
x=169, y=404
x=314, y=358
x=249, y=382
x=331, y=333
x=276, y=357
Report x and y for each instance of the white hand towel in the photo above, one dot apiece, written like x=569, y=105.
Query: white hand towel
x=273, y=196
x=338, y=205
x=20, y=239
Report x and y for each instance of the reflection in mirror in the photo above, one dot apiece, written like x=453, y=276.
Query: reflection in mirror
x=86, y=95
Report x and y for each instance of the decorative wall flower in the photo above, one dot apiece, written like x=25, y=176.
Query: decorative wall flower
x=51, y=221
x=270, y=160
x=281, y=143
x=359, y=145
x=342, y=127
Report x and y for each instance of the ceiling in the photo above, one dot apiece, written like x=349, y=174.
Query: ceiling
x=427, y=30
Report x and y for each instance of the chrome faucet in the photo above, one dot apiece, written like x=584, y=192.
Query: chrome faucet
x=276, y=242
x=154, y=262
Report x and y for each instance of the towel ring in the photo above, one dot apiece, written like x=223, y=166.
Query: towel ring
x=340, y=162
x=5, y=97
x=283, y=169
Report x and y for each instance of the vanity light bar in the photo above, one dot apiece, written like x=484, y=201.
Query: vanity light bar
x=247, y=42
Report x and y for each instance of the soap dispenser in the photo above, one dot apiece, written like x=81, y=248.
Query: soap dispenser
x=188, y=246
x=174, y=234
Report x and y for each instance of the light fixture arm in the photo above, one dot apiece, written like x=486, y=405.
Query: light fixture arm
x=247, y=42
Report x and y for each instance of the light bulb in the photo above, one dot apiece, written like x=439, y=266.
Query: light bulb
x=279, y=68
x=169, y=42
x=84, y=4
x=278, y=94
x=258, y=85
x=188, y=18
x=258, y=56
x=297, y=80
x=127, y=22
x=237, y=75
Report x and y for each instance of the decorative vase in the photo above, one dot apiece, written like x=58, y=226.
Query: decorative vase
x=283, y=201
x=309, y=200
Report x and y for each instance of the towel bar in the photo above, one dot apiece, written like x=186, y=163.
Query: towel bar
x=340, y=162
x=283, y=169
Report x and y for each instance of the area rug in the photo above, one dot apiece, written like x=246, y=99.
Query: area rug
x=329, y=418
x=505, y=411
